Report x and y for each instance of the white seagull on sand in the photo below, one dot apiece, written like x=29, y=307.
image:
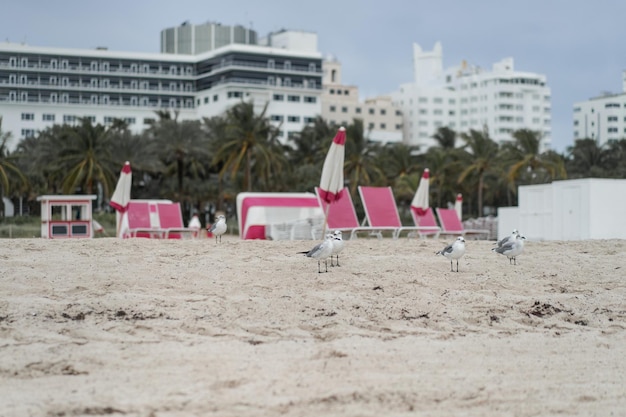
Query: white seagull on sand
x=321, y=251
x=219, y=227
x=338, y=244
x=507, y=239
x=454, y=251
x=512, y=249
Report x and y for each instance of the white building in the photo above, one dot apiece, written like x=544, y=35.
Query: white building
x=42, y=86
x=602, y=118
x=468, y=97
x=341, y=105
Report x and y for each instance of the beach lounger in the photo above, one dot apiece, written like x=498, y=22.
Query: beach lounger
x=451, y=225
x=342, y=215
x=427, y=223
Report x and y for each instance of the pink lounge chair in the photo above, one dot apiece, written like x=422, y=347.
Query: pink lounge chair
x=427, y=223
x=451, y=225
x=155, y=219
x=381, y=212
x=342, y=215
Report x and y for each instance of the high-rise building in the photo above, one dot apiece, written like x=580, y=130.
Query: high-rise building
x=468, y=97
x=602, y=118
x=42, y=86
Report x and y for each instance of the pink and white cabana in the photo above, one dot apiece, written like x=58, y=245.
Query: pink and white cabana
x=278, y=215
x=66, y=216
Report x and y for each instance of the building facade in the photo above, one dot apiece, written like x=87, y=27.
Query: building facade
x=41, y=86
x=602, y=118
x=467, y=97
x=341, y=105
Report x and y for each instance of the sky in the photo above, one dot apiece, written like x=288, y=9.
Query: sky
x=580, y=45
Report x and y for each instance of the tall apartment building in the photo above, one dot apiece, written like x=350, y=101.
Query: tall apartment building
x=42, y=86
x=602, y=118
x=340, y=105
x=468, y=97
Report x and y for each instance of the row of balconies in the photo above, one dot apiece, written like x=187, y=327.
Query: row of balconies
x=189, y=73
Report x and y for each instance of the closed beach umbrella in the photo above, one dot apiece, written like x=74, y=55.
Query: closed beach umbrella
x=121, y=195
x=420, y=202
x=331, y=183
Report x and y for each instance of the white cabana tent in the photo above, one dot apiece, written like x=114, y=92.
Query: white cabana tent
x=590, y=208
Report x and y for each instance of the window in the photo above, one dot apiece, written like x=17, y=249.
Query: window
x=130, y=120
x=611, y=105
x=309, y=119
x=332, y=108
x=234, y=94
x=398, y=113
x=206, y=100
x=293, y=119
x=28, y=116
x=357, y=110
x=28, y=133
x=47, y=117
x=310, y=99
x=612, y=119
x=383, y=126
x=215, y=97
x=68, y=118
x=344, y=109
x=278, y=97
x=370, y=126
x=371, y=111
x=612, y=130
x=276, y=118
x=293, y=99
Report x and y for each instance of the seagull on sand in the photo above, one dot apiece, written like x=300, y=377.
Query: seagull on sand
x=218, y=228
x=338, y=244
x=321, y=251
x=507, y=239
x=454, y=251
x=512, y=249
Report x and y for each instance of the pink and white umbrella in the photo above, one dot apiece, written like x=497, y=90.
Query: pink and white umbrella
x=121, y=195
x=458, y=206
x=331, y=184
x=420, y=202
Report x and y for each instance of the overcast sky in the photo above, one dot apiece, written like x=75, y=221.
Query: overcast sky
x=580, y=45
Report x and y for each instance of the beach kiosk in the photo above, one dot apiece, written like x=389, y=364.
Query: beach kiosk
x=66, y=216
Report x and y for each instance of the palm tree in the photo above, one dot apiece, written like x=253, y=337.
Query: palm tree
x=251, y=142
x=528, y=164
x=445, y=137
x=481, y=155
x=80, y=156
x=586, y=158
x=181, y=146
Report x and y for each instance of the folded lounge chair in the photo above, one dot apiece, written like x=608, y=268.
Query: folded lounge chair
x=381, y=212
x=342, y=215
x=427, y=223
x=451, y=225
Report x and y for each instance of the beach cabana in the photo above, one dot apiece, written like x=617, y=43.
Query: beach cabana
x=278, y=216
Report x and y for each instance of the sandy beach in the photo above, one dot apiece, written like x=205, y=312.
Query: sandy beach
x=157, y=328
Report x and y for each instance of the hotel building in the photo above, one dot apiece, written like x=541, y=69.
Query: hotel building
x=602, y=118
x=42, y=86
x=467, y=97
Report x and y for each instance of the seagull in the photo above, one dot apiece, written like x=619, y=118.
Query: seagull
x=338, y=244
x=512, y=248
x=507, y=239
x=454, y=251
x=218, y=228
x=321, y=251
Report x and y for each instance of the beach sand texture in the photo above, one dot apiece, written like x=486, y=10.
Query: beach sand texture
x=158, y=328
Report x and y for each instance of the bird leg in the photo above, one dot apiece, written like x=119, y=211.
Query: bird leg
x=337, y=260
x=451, y=267
x=326, y=263
x=457, y=265
x=319, y=267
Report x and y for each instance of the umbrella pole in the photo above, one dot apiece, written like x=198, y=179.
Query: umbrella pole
x=325, y=221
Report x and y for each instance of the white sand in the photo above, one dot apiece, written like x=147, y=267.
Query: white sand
x=248, y=328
